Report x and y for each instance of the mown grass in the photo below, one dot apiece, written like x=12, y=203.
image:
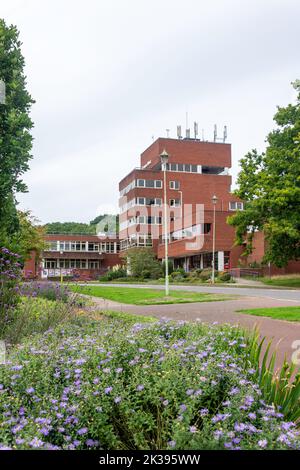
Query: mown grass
x=282, y=281
x=142, y=296
x=277, y=313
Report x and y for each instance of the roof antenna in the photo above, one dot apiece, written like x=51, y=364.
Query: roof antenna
x=215, y=133
x=195, y=130
x=167, y=131
x=225, y=134
x=179, y=135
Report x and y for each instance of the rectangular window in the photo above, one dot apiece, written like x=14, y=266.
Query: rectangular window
x=174, y=185
x=150, y=184
x=206, y=228
x=78, y=245
x=141, y=201
x=180, y=167
x=233, y=206
x=173, y=166
x=187, y=168
x=141, y=183
x=158, y=184
x=175, y=202
x=194, y=168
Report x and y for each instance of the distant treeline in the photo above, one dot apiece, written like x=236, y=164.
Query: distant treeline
x=76, y=227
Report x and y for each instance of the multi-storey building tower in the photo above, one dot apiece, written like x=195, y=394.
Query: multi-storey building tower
x=196, y=171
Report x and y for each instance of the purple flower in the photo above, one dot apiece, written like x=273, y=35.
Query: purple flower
x=117, y=399
x=189, y=392
x=262, y=443
x=193, y=429
x=140, y=388
x=30, y=390
x=108, y=390
x=36, y=442
x=82, y=431
x=183, y=408
x=172, y=443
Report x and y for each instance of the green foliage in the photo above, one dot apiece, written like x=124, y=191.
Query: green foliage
x=29, y=237
x=35, y=315
x=10, y=276
x=170, y=267
x=269, y=183
x=143, y=263
x=224, y=277
x=279, y=388
x=15, y=126
x=110, y=384
x=114, y=274
x=70, y=227
x=206, y=274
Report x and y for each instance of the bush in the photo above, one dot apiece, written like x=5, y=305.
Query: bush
x=170, y=267
x=143, y=260
x=35, y=315
x=224, y=277
x=113, y=274
x=206, y=274
x=10, y=277
x=113, y=385
x=46, y=290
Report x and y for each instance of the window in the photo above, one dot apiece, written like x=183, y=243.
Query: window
x=175, y=202
x=212, y=170
x=174, y=185
x=93, y=264
x=150, y=183
x=140, y=183
x=194, y=168
x=50, y=263
x=206, y=228
x=180, y=166
x=158, y=184
x=233, y=206
x=52, y=246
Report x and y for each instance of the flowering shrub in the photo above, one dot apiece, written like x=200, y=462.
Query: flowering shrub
x=112, y=385
x=10, y=275
x=47, y=290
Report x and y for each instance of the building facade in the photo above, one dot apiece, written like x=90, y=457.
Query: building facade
x=81, y=257
x=196, y=171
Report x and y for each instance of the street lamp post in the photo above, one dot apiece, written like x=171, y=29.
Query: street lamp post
x=214, y=201
x=164, y=157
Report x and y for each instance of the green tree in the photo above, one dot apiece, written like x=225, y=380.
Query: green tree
x=70, y=227
x=15, y=126
x=269, y=183
x=29, y=237
x=143, y=264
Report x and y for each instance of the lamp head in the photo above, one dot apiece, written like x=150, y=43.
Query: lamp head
x=214, y=199
x=164, y=157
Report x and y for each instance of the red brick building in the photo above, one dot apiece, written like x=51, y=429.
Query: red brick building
x=76, y=256
x=196, y=171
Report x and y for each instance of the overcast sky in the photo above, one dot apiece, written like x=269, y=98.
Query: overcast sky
x=107, y=76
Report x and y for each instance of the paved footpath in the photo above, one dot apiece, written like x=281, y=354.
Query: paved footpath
x=282, y=332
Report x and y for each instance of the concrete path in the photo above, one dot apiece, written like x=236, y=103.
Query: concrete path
x=282, y=332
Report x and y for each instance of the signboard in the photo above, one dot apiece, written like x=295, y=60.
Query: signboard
x=56, y=272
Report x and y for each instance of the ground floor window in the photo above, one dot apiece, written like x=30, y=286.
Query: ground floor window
x=71, y=264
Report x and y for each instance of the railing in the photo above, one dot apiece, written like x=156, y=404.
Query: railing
x=246, y=272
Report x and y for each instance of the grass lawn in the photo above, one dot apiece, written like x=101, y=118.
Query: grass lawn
x=147, y=296
x=282, y=281
x=278, y=313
